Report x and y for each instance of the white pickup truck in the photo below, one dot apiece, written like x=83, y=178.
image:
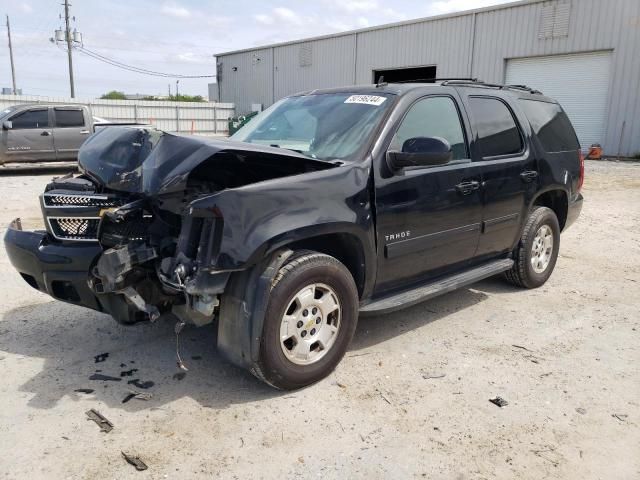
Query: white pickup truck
x=46, y=133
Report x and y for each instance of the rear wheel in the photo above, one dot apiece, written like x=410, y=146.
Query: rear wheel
x=309, y=322
x=536, y=254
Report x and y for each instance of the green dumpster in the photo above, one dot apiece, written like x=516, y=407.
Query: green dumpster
x=236, y=123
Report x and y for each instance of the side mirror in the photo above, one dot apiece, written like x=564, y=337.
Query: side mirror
x=421, y=152
x=7, y=125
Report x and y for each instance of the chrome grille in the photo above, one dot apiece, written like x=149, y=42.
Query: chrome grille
x=70, y=228
x=72, y=200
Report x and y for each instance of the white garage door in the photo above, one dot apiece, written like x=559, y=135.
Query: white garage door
x=579, y=82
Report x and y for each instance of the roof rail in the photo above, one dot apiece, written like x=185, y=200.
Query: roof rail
x=471, y=82
x=432, y=80
x=494, y=85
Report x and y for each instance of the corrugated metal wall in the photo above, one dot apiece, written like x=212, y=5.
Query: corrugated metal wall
x=199, y=118
x=326, y=63
x=474, y=44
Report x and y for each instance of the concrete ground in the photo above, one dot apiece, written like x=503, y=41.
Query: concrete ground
x=410, y=400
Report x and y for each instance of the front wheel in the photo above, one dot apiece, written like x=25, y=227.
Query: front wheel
x=310, y=320
x=536, y=254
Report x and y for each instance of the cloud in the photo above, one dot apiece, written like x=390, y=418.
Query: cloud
x=353, y=6
x=263, y=18
x=283, y=16
x=175, y=10
x=191, y=58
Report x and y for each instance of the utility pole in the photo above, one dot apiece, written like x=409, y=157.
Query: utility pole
x=13, y=70
x=177, y=81
x=69, y=42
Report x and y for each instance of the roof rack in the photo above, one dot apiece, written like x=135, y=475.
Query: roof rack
x=480, y=83
x=433, y=80
x=473, y=82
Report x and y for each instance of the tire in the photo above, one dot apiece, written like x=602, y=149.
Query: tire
x=524, y=273
x=309, y=283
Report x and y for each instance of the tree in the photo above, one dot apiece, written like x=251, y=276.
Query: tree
x=186, y=98
x=114, y=95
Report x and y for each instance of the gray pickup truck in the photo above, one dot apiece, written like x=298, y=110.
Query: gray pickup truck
x=46, y=133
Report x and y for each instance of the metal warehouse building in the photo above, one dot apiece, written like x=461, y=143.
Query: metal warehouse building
x=585, y=53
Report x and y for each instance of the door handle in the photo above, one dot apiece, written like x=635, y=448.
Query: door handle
x=45, y=134
x=84, y=132
x=529, y=176
x=465, y=188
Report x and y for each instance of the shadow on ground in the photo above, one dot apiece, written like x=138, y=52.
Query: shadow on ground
x=68, y=338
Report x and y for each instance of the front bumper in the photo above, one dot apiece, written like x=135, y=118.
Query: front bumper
x=60, y=270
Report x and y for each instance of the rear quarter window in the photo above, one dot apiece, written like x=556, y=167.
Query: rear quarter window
x=551, y=125
x=498, y=133
x=69, y=118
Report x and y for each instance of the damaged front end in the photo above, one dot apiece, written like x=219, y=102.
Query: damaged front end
x=134, y=197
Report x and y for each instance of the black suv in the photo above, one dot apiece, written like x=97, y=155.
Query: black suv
x=328, y=204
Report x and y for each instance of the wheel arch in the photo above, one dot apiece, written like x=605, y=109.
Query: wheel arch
x=557, y=200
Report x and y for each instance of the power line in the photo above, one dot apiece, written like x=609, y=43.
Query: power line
x=132, y=68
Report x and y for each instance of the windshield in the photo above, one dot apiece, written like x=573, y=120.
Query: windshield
x=5, y=113
x=323, y=126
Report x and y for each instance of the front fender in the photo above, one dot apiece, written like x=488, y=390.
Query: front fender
x=259, y=218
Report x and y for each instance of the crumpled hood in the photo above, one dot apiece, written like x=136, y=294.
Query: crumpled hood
x=149, y=161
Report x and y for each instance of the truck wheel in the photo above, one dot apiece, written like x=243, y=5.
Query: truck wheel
x=536, y=254
x=310, y=320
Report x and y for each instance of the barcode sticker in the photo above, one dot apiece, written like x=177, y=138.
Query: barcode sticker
x=366, y=99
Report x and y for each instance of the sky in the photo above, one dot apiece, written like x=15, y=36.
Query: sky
x=176, y=37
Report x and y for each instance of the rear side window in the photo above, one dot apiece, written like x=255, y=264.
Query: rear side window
x=498, y=132
x=551, y=125
x=69, y=118
x=31, y=119
x=433, y=117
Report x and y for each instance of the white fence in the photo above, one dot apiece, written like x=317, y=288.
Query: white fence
x=204, y=118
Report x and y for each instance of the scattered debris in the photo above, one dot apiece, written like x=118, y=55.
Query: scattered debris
x=545, y=374
x=385, y=398
x=135, y=461
x=549, y=454
x=301, y=459
x=620, y=416
x=122, y=365
x=137, y=383
x=241, y=442
x=360, y=354
x=128, y=397
x=137, y=395
x=499, y=401
x=428, y=376
x=177, y=329
x=340, y=384
x=65, y=438
x=581, y=410
x=84, y=390
x=101, y=357
x=196, y=357
x=104, y=378
x=128, y=373
x=105, y=425
x=179, y=375
x=521, y=347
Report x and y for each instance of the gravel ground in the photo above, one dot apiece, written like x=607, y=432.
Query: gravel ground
x=410, y=400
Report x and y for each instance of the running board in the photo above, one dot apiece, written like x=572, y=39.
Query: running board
x=430, y=290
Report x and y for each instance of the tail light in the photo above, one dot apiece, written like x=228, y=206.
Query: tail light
x=581, y=178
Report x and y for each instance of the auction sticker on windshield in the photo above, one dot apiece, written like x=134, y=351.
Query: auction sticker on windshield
x=366, y=99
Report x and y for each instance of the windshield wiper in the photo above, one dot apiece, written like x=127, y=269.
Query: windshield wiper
x=292, y=149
